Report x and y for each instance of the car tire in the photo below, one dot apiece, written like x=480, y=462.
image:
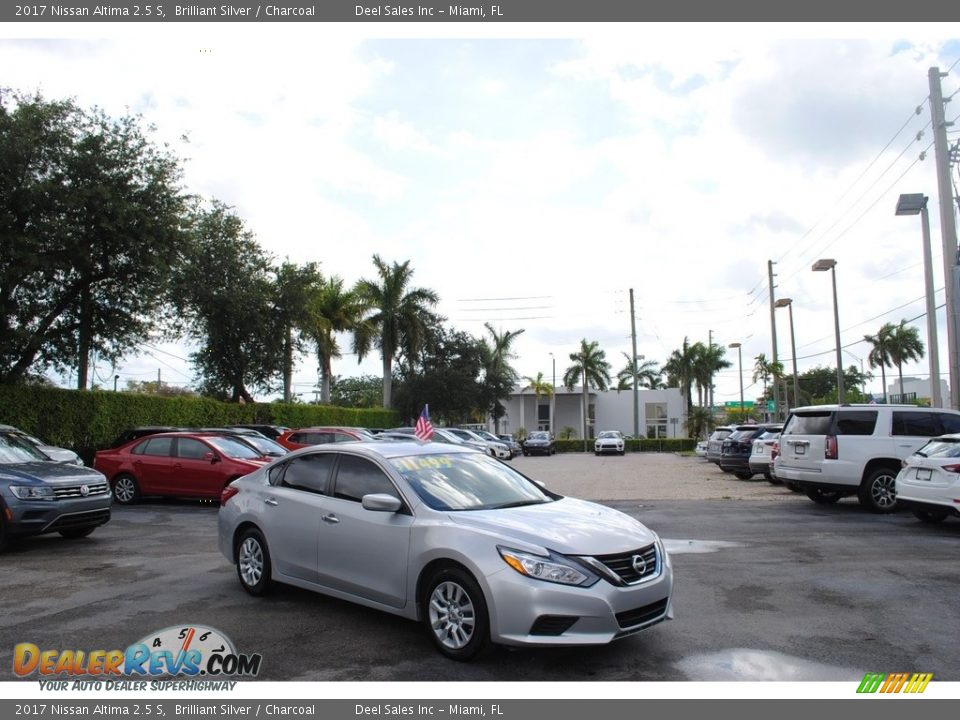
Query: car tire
x=77, y=533
x=597, y=453
x=253, y=562
x=744, y=474
x=126, y=490
x=4, y=537
x=931, y=517
x=823, y=497
x=622, y=453
x=455, y=614
x=878, y=491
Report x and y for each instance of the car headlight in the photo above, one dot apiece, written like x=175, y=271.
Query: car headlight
x=32, y=492
x=555, y=568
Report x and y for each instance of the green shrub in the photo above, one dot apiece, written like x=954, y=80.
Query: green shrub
x=88, y=420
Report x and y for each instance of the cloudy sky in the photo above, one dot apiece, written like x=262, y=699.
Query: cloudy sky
x=532, y=175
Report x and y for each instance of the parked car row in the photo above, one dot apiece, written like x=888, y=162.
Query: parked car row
x=888, y=456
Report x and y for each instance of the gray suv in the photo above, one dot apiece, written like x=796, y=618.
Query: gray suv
x=40, y=496
x=831, y=451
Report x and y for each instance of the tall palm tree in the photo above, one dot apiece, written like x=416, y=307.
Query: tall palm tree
x=499, y=375
x=330, y=310
x=880, y=353
x=541, y=388
x=590, y=367
x=905, y=346
x=765, y=370
x=645, y=371
x=293, y=287
x=679, y=369
x=400, y=320
x=708, y=360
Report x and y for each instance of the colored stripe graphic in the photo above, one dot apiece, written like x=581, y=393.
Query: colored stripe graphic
x=895, y=682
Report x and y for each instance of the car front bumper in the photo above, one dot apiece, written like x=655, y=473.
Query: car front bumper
x=36, y=517
x=536, y=613
x=611, y=448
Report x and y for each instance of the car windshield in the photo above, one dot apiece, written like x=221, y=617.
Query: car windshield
x=538, y=436
x=940, y=448
x=15, y=450
x=467, y=482
x=265, y=445
x=609, y=434
x=233, y=448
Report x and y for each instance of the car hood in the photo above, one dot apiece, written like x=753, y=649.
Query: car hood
x=568, y=525
x=537, y=441
x=51, y=472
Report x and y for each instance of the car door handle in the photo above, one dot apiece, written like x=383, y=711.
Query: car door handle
x=331, y=518
x=271, y=501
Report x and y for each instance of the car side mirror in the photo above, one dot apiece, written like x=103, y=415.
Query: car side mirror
x=381, y=502
x=211, y=457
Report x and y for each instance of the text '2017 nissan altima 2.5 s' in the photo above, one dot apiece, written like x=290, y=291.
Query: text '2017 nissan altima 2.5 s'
x=445, y=535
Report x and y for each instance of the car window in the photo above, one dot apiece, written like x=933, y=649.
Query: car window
x=949, y=422
x=915, y=424
x=468, y=482
x=940, y=448
x=191, y=449
x=156, y=447
x=809, y=423
x=306, y=472
x=231, y=447
x=14, y=450
x=343, y=437
x=856, y=422
x=358, y=476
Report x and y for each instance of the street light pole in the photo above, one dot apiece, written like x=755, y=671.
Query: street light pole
x=740, y=365
x=553, y=396
x=788, y=303
x=831, y=265
x=916, y=204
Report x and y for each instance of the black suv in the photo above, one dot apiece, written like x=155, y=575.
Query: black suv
x=736, y=449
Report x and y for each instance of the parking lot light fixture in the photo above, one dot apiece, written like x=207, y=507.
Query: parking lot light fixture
x=740, y=366
x=788, y=303
x=916, y=204
x=821, y=266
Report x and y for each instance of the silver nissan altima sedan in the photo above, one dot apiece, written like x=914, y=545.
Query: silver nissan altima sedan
x=450, y=537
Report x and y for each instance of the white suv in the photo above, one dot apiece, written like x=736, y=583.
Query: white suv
x=832, y=451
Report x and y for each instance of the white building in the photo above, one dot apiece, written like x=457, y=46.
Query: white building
x=920, y=386
x=661, y=412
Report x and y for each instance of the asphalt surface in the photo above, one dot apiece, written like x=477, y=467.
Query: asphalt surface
x=775, y=588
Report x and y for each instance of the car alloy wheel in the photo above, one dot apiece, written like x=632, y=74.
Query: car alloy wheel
x=456, y=614
x=253, y=563
x=879, y=490
x=125, y=490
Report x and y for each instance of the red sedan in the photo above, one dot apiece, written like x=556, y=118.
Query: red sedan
x=305, y=437
x=176, y=464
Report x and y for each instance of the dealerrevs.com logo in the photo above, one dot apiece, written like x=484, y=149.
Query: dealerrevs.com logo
x=184, y=650
x=894, y=682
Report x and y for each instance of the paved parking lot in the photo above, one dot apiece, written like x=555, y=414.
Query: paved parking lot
x=769, y=586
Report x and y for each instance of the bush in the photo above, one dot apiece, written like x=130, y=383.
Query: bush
x=88, y=420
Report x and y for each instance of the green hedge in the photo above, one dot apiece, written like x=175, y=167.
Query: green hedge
x=86, y=421
x=642, y=445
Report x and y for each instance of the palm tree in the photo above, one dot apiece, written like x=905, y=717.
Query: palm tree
x=540, y=387
x=293, y=286
x=707, y=362
x=880, y=353
x=905, y=346
x=400, y=320
x=499, y=375
x=765, y=370
x=645, y=371
x=680, y=370
x=331, y=309
x=590, y=366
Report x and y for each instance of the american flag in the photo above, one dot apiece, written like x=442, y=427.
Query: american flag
x=424, y=428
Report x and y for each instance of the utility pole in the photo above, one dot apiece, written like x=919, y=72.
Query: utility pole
x=633, y=366
x=948, y=230
x=710, y=389
x=773, y=335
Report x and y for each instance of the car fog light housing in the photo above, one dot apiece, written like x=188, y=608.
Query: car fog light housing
x=32, y=492
x=549, y=569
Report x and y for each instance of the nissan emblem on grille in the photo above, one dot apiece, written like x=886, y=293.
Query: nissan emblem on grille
x=84, y=490
x=639, y=564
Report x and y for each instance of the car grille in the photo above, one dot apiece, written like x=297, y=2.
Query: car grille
x=73, y=491
x=640, y=615
x=624, y=567
x=81, y=519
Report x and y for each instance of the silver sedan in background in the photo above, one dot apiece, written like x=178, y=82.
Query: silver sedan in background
x=450, y=537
